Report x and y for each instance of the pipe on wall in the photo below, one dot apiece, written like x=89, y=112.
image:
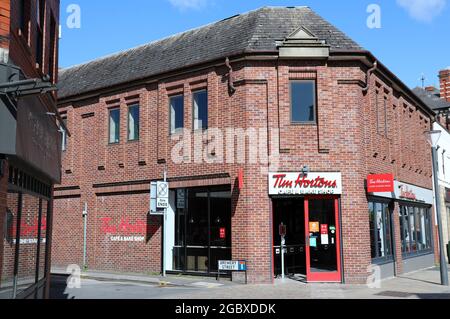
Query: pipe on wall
x=368, y=74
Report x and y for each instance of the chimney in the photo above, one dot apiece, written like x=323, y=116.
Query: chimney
x=444, y=77
x=430, y=89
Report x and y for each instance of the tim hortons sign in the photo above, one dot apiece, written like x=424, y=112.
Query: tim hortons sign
x=305, y=184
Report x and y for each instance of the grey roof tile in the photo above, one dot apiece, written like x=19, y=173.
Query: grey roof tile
x=434, y=102
x=256, y=30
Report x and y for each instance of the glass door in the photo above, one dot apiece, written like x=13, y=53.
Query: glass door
x=323, y=258
x=202, y=229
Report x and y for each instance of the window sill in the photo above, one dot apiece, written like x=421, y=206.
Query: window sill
x=303, y=123
x=178, y=132
x=114, y=144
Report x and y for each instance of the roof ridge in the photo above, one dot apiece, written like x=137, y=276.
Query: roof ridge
x=141, y=46
x=252, y=31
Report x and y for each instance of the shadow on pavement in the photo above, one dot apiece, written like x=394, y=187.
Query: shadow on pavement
x=420, y=280
x=58, y=287
x=434, y=296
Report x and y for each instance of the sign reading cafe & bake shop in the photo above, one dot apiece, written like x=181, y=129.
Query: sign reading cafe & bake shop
x=305, y=184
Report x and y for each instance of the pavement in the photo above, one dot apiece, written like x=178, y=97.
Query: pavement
x=424, y=284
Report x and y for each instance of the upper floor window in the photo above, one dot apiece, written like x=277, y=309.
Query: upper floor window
x=64, y=136
x=200, y=110
x=176, y=113
x=114, y=126
x=24, y=16
x=52, y=52
x=303, y=101
x=40, y=21
x=133, y=123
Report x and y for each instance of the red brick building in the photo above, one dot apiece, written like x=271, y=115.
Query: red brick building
x=30, y=152
x=319, y=114
x=444, y=77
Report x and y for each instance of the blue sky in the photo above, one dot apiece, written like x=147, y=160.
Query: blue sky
x=413, y=38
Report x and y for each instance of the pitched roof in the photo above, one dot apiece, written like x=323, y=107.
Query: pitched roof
x=255, y=31
x=433, y=101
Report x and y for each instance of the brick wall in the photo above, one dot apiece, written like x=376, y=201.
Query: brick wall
x=23, y=41
x=346, y=139
x=5, y=14
x=3, y=205
x=444, y=77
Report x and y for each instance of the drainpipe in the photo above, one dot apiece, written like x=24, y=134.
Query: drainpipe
x=369, y=72
x=231, y=87
x=85, y=215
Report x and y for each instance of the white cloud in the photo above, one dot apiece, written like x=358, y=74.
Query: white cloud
x=423, y=10
x=188, y=4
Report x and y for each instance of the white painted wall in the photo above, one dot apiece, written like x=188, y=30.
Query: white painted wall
x=443, y=156
x=444, y=177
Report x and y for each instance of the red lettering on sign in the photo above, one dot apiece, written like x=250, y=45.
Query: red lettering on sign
x=124, y=227
x=303, y=182
x=29, y=230
x=407, y=193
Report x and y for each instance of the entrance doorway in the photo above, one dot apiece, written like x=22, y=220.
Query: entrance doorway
x=312, y=237
x=290, y=212
x=202, y=229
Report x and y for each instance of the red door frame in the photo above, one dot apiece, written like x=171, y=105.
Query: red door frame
x=323, y=276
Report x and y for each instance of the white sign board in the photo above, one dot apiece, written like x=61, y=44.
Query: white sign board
x=162, y=195
x=305, y=184
x=228, y=265
x=162, y=203
x=408, y=192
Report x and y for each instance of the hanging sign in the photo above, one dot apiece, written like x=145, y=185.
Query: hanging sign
x=303, y=184
x=381, y=183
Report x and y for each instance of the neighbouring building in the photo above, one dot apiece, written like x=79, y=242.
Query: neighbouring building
x=30, y=144
x=442, y=109
x=444, y=77
x=269, y=117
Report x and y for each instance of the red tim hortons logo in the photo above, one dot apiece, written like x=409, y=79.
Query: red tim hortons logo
x=380, y=183
x=312, y=183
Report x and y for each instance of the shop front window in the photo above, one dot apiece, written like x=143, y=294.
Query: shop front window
x=202, y=229
x=24, y=244
x=9, y=243
x=380, y=230
x=415, y=226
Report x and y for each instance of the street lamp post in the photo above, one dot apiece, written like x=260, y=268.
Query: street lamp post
x=433, y=138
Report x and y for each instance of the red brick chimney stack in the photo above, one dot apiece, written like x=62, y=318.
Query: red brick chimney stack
x=430, y=89
x=444, y=76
